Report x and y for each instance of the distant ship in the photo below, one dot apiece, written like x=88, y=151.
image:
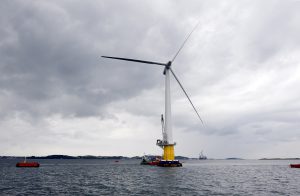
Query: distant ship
x=201, y=156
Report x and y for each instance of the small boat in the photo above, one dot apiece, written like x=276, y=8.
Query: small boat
x=295, y=165
x=27, y=164
x=150, y=160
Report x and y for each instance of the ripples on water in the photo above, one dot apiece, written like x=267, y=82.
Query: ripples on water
x=127, y=177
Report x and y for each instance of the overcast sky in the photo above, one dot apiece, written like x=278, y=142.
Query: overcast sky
x=241, y=68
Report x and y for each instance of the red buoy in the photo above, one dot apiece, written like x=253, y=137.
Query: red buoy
x=295, y=165
x=27, y=164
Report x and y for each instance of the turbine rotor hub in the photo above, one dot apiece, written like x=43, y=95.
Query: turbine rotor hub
x=168, y=65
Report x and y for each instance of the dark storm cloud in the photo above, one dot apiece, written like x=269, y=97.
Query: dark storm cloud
x=50, y=56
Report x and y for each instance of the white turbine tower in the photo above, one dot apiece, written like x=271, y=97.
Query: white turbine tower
x=167, y=142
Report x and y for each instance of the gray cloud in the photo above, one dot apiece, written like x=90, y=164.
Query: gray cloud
x=241, y=68
x=51, y=59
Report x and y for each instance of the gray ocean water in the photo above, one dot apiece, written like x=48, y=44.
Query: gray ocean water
x=127, y=177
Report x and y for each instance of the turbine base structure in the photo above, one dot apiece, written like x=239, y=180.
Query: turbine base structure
x=168, y=158
x=169, y=152
x=169, y=163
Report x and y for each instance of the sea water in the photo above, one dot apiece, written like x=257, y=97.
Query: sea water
x=128, y=177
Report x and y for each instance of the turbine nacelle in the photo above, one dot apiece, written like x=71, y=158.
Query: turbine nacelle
x=168, y=66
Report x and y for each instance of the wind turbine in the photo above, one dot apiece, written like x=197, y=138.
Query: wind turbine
x=167, y=143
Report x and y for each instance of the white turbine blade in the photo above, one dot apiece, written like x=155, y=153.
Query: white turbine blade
x=186, y=95
x=185, y=40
